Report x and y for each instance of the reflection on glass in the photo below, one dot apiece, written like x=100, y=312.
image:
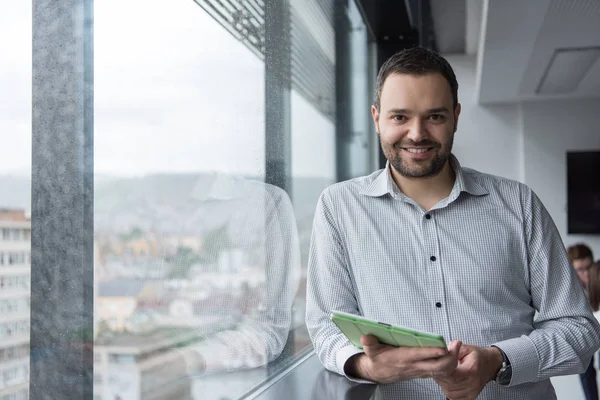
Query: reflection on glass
x=196, y=259
x=313, y=163
x=201, y=285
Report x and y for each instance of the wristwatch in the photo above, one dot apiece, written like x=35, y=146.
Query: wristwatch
x=504, y=376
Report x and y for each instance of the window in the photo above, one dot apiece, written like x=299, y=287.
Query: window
x=121, y=358
x=214, y=134
x=15, y=202
x=15, y=234
x=14, y=306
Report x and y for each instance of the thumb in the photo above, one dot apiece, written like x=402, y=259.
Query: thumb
x=371, y=345
x=464, y=351
x=455, y=346
x=454, y=350
x=369, y=340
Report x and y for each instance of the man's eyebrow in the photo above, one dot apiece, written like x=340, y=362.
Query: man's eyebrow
x=398, y=111
x=436, y=110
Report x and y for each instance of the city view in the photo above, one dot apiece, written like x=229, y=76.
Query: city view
x=199, y=265
x=15, y=272
x=179, y=260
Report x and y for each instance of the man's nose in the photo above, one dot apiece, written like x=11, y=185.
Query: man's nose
x=417, y=130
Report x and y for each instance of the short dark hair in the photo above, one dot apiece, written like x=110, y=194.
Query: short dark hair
x=579, y=251
x=594, y=286
x=416, y=61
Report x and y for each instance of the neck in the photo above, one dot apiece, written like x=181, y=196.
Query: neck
x=426, y=191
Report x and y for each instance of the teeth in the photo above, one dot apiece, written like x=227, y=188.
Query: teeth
x=417, y=151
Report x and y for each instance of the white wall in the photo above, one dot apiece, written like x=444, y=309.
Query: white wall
x=550, y=130
x=526, y=142
x=488, y=138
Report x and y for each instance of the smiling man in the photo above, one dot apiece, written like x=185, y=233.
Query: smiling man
x=428, y=244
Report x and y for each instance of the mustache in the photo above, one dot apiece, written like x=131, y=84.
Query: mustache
x=422, y=143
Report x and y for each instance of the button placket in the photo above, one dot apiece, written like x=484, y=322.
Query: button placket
x=435, y=274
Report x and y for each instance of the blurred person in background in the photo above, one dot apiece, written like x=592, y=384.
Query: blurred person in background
x=594, y=288
x=594, y=294
x=582, y=258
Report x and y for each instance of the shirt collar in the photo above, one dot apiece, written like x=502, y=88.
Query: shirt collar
x=217, y=186
x=384, y=184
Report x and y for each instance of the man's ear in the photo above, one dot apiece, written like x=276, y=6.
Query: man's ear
x=456, y=115
x=375, y=115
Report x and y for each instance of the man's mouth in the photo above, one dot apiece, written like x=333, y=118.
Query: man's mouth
x=417, y=150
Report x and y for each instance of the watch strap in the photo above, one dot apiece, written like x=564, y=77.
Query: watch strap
x=504, y=375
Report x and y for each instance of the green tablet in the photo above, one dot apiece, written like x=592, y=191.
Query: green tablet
x=354, y=326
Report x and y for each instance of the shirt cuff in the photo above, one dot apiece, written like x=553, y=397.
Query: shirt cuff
x=343, y=356
x=523, y=357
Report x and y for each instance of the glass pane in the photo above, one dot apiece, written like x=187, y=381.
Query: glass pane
x=197, y=260
x=15, y=201
x=359, y=102
x=313, y=169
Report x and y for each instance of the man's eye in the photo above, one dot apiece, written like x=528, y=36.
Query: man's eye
x=398, y=117
x=436, y=117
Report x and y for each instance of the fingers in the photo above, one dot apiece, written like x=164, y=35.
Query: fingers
x=443, y=366
x=464, y=351
x=369, y=340
x=412, y=361
x=450, y=361
x=372, y=346
x=422, y=353
x=467, y=380
x=455, y=348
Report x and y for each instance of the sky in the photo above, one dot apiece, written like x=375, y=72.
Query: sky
x=173, y=92
x=15, y=85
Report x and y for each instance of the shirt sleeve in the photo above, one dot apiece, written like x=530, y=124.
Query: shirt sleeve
x=261, y=335
x=566, y=335
x=329, y=288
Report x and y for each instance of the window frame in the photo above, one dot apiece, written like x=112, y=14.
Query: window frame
x=62, y=189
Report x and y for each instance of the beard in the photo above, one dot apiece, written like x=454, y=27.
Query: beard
x=418, y=168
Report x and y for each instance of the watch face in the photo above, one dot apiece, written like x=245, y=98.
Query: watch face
x=504, y=375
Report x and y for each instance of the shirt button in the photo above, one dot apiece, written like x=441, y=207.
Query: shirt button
x=428, y=216
x=432, y=258
x=438, y=304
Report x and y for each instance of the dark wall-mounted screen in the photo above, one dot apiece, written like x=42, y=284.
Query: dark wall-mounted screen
x=583, y=190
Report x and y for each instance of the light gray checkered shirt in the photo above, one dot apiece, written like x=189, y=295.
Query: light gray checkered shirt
x=476, y=268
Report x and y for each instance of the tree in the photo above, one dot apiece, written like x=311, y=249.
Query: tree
x=182, y=262
x=215, y=242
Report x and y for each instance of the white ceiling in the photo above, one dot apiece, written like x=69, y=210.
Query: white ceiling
x=519, y=39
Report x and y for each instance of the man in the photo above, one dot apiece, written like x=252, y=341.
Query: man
x=430, y=245
x=582, y=258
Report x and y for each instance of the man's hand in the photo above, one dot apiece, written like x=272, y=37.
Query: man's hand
x=477, y=366
x=386, y=364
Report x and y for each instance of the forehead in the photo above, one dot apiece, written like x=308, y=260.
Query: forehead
x=582, y=262
x=412, y=91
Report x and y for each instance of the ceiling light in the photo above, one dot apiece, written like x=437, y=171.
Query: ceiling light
x=566, y=69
